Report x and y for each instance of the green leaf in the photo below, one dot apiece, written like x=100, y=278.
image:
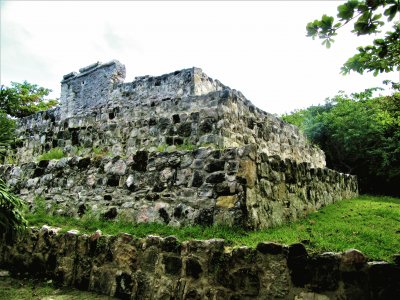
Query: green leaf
x=365, y=16
x=376, y=17
x=337, y=25
x=362, y=7
x=391, y=11
x=326, y=22
x=345, y=12
x=312, y=28
x=328, y=44
x=384, y=54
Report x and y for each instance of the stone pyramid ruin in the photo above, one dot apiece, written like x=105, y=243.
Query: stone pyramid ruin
x=179, y=149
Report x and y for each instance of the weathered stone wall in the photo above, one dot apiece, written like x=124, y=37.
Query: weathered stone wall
x=184, y=107
x=284, y=190
x=90, y=88
x=242, y=166
x=245, y=124
x=164, y=268
x=124, y=130
x=234, y=186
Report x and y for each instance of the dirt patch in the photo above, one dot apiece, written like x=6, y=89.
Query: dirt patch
x=21, y=288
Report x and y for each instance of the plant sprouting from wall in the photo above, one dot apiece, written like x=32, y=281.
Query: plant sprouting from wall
x=55, y=153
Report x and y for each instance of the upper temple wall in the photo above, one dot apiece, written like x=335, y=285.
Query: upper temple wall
x=90, y=88
x=103, y=84
x=179, y=84
x=99, y=109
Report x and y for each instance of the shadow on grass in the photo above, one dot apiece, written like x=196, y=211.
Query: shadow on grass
x=379, y=199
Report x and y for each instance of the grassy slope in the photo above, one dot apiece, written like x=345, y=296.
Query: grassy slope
x=369, y=224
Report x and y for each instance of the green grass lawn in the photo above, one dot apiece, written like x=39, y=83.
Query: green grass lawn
x=369, y=224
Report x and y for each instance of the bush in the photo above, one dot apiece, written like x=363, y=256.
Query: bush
x=7, y=126
x=360, y=135
x=11, y=218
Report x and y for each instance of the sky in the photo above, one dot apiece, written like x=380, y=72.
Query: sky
x=257, y=47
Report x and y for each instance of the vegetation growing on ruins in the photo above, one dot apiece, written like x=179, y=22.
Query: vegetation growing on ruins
x=58, y=153
x=186, y=146
x=100, y=152
x=55, y=153
x=367, y=223
x=360, y=134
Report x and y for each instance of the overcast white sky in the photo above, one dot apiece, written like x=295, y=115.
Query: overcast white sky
x=259, y=47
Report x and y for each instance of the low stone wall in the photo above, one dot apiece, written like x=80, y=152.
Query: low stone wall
x=280, y=191
x=164, y=268
x=235, y=186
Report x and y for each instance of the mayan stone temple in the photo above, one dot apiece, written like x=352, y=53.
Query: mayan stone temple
x=179, y=149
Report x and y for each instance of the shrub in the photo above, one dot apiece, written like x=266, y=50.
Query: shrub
x=11, y=218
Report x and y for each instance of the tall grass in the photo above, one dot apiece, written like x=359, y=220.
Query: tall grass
x=55, y=153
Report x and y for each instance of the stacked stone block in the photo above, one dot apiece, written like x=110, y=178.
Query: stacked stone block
x=184, y=107
x=164, y=268
x=180, y=149
x=234, y=186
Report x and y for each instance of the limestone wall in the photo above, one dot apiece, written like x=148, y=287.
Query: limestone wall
x=123, y=130
x=245, y=124
x=90, y=88
x=179, y=84
x=284, y=190
x=234, y=186
x=184, y=107
x=164, y=268
x=180, y=148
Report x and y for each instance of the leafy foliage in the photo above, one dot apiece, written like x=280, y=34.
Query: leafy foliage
x=360, y=135
x=7, y=126
x=24, y=99
x=19, y=100
x=11, y=218
x=384, y=54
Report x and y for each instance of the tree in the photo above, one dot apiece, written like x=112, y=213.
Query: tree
x=384, y=54
x=19, y=100
x=7, y=126
x=24, y=99
x=11, y=218
x=360, y=135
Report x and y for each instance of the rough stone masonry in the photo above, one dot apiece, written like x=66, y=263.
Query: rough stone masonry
x=180, y=149
x=127, y=267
